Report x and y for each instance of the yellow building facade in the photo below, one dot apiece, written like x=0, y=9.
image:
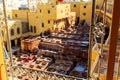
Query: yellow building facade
x=20, y=15
x=17, y=31
x=83, y=10
x=50, y=17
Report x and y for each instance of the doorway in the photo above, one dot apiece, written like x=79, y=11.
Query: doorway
x=12, y=43
x=18, y=41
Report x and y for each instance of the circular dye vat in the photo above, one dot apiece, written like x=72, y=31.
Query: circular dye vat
x=80, y=68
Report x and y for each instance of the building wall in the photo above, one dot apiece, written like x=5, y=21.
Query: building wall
x=63, y=11
x=34, y=21
x=75, y=7
x=14, y=34
x=20, y=14
x=44, y=15
x=14, y=25
x=72, y=18
x=47, y=10
x=48, y=15
x=99, y=2
x=110, y=8
x=53, y=1
x=85, y=11
x=78, y=7
x=60, y=24
x=9, y=14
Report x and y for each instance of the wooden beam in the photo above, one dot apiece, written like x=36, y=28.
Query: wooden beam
x=113, y=39
x=2, y=61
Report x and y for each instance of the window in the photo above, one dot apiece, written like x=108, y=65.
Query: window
x=25, y=27
x=84, y=14
x=84, y=6
x=68, y=10
x=12, y=32
x=42, y=25
x=53, y=6
x=34, y=29
x=15, y=15
x=61, y=11
x=8, y=16
x=54, y=22
x=48, y=11
x=48, y=21
x=74, y=5
x=40, y=11
x=18, y=30
x=31, y=29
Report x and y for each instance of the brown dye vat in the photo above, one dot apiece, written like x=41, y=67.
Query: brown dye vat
x=38, y=62
x=58, y=42
x=24, y=74
x=51, y=69
x=57, y=56
x=31, y=66
x=14, y=58
x=20, y=65
x=26, y=79
x=49, y=53
x=76, y=74
x=78, y=70
x=35, y=50
x=49, y=45
x=20, y=77
x=19, y=59
x=24, y=56
x=18, y=55
x=71, y=57
x=39, y=67
x=72, y=50
x=40, y=58
x=63, y=57
x=62, y=72
x=44, y=63
x=85, y=55
x=59, y=61
x=77, y=59
x=48, y=59
x=60, y=66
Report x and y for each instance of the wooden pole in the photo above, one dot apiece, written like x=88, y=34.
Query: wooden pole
x=8, y=38
x=113, y=39
x=28, y=3
x=91, y=39
x=3, y=75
